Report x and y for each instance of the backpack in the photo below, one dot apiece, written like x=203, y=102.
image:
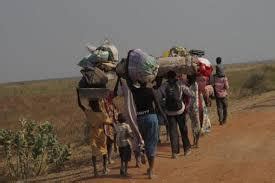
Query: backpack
x=173, y=100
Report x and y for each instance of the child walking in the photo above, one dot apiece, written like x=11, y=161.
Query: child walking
x=123, y=134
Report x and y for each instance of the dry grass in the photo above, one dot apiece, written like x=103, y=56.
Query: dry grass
x=251, y=80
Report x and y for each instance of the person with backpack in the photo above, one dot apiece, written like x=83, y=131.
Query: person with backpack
x=173, y=91
x=221, y=87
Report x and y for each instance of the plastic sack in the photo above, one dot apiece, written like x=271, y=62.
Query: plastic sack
x=94, y=58
x=93, y=78
x=113, y=51
x=204, y=67
x=141, y=66
x=166, y=53
x=198, y=53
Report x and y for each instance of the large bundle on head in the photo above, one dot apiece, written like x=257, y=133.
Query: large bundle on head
x=198, y=53
x=178, y=51
x=139, y=67
x=98, y=66
x=147, y=69
x=204, y=67
x=181, y=65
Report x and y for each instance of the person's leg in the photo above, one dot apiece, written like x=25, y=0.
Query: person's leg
x=225, y=105
x=127, y=159
x=219, y=109
x=159, y=141
x=94, y=165
x=151, y=161
x=105, y=169
x=201, y=117
x=121, y=167
x=109, y=150
x=151, y=129
x=121, y=155
x=181, y=120
x=174, y=136
x=138, y=159
x=167, y=132
x=195, y=123
x=126, y=168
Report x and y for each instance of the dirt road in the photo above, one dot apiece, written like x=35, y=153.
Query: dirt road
x=241, y=151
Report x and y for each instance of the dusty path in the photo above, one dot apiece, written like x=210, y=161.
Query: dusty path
x=241, y=151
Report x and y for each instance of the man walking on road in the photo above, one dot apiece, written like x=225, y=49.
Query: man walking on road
x=173, y=91
x=220, y=87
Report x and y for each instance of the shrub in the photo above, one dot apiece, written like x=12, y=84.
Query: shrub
x=258, y=82
x=32, y=149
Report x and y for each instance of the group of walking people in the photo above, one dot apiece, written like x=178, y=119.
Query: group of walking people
x=170, y=101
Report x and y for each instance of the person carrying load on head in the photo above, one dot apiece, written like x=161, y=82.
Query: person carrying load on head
x=112, y=112
x=193, y=109
x=146, y=106
x=145, y=100
x=221, y=87
x=122, y=89
x=97, y=117
x=205, y=90
x=173, y=91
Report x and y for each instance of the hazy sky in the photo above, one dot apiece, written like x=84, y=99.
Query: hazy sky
x=45, y=38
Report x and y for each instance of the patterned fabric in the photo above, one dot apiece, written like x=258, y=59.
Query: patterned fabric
x=96, y=121
x=202, y=83
x=98, y=142
x=204, y=117
x=130, y=112
x=221, y=86
x=123, y=132
x=141, y=66
x=112, y=113
x=194, y=110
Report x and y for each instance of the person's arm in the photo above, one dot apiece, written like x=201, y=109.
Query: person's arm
x=130, y=84
x=115, y=139
x=130, y=132
x=158, y=106
x=187, y=91
x=226, y=83
x=79, y=100
x=116, y=87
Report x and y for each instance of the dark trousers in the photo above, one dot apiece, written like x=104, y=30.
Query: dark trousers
x=173, y=123
x=222, y=105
